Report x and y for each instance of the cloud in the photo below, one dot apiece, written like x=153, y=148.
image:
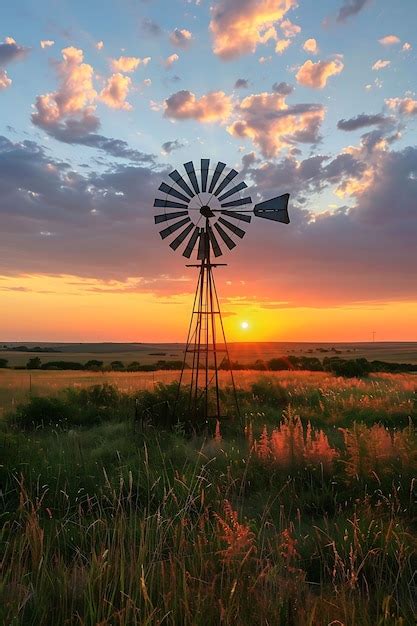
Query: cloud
x=316, y=75
x=289, y=29
x=327, y=255
x=282, y=45
x=169, y=61
x=350, y=8
x=282, y=88
x=241, y=83
x=116, y=91
x=128, y=64
x=215, y=106
x=404, y=106
x=170, y=146
x=310, y=45
x=407, y=47
x=380, y=65
x=46, y=43
x=100, y=45
x=5, y=81
x=68, y=114
x=9, y=51
x=239, y=26
x=181, y=38
x=363, y=120
x=389, y=40
x=149, y=27
x=273, y=125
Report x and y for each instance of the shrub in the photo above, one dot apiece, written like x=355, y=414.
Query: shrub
x=41, y=412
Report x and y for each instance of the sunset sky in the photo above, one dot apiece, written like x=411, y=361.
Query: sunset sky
x=101, y=100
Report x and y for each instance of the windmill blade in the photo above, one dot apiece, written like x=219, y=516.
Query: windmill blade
x=172, y=192
x=232, y=191
x=202, y=246
x=237, y=216
x=235, y=229
x=216, y=175
x=191, y=243
x=227, y=240
x=189, y=168
x=241, y=202
x=214, y=243
x=176, y=177
x=178, y=240
x=169, y=204
x=165, y=217
x=226, y=180
x=205, y=164
x=171, y=229
x=275, y=209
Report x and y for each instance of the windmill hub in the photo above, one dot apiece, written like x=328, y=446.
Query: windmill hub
x=206, y=211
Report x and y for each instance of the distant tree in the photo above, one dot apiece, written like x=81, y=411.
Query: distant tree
x=117, y=366
x=3, y=363
x=34, y=363
x=93, y=365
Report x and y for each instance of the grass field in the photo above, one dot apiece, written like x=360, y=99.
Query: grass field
x=405, y=352
x=304, y=515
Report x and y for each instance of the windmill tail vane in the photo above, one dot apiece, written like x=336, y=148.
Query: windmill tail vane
x=206, y=212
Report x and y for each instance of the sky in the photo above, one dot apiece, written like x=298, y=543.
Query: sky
x=100, y=101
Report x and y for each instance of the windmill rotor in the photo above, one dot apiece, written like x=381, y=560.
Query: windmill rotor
x=206, y=211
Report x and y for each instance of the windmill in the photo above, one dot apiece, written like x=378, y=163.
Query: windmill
x=205, y=212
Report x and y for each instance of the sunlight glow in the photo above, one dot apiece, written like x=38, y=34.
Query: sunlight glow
x=244, y=325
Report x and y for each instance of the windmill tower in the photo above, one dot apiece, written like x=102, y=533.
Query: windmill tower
x=203, y=210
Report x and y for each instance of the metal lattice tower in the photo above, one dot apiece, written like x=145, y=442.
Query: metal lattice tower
x=197, y=214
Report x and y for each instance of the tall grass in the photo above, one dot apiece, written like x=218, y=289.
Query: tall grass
x=293, y=522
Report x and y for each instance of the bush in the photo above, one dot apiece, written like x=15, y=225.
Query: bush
x=41, y=412
x=348, y=368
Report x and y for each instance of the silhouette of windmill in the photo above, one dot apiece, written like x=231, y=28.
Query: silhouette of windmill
x=205, y=209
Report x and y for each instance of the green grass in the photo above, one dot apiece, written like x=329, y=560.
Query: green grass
x=105, y=523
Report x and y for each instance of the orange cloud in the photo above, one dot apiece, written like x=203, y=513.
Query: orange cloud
x=5, y=81
x=273, y=125
x=316, y=75
x=181, y=37
x=169, y=61
x=405, y=106
x=310, y=45
x=239, y=27
x=100, y=45
x=282, y=45
x=389, y=40
x=380, y=65
x=128, y=64
x=215, y=106
x=116, y=91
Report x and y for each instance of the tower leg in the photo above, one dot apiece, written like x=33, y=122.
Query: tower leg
x=206, y=325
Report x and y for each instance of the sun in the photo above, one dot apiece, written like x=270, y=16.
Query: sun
x=244, y=325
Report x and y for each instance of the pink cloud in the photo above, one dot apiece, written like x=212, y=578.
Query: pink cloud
x=5, y=81
x=116, y=91
x=215, y=106
x=405, y=106
x=128, y=64
x=273, y=125
x=310, y=45
x=389, y=40
x=380, y=65
x=316, y=75
x=181, y=37
x=169, y=61
x=239, y=26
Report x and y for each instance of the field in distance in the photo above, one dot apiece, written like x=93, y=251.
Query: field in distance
x=248, y=352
